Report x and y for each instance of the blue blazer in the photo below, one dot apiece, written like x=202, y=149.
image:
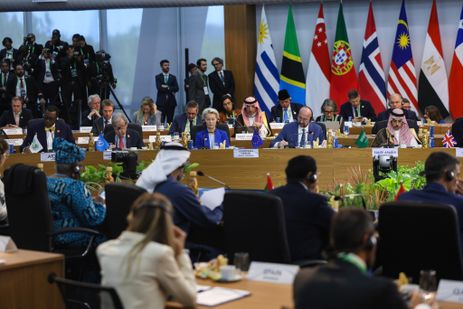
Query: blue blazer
x=179, y=123
x=202, y=138
x=289, y=133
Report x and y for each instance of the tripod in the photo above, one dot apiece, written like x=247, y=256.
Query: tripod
x=111, y=90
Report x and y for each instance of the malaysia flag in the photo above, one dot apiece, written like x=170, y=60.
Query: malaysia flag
x=372, y=83
x=456, y=74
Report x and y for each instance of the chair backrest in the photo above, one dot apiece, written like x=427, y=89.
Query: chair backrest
x=220, y=126
x=28, y=207
x=82, y=295
x=119, y=199
x=254, y=222
x=419, y=236
x=383, y=123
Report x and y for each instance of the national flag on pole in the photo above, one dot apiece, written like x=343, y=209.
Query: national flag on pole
x=343, y=75
x=448, y=141
x=402, y=74
x=256, y=140
x=292, y=74
x=362, y=140
x=101, y=144
x=269, y=185
x=456, y=74
x=266, y=77
x=319, y=71
x=35, y=145
x=433, y=87
x=372, y=83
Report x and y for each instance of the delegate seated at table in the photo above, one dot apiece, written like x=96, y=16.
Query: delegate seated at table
x=211, y=136
x=252, y=118
x=17, y=116
x=397, y=132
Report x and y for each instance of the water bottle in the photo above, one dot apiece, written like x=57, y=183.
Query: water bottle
x=335, y=143
x=431, y=142
x=190, y=144
x=431, y=131
x=346, y=129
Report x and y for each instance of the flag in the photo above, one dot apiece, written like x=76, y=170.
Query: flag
x=343, y=76
x=35, y=145
x=433, y=87
x=401, y=190
x=456, y=74
x=402, y=75
x=362, y=140
x=448, y=141
x=266, y=78
x=292, y=73
x=101, y=144
x=269, y=185
x=256, y=140
x=319, y=71
x=372, y=83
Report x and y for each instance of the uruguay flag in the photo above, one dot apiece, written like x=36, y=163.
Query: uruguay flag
x=456, y=74
x=266, y=77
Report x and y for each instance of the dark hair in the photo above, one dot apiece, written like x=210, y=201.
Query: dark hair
x=107, y=102
x=191, y=104
x=76, y=36
x=433, y=113
x=226, y=96
x=198, y=62
x=352, y=94
x=5, y=39
x=348, y=229
x=163, y=61
x=219, y=60
x=52, y=109
x=405, y=100
x=437, y=164
x=191, y=66
x=4, y=147
x=299, y=167
x=15, y=98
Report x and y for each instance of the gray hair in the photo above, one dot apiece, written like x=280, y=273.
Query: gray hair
x=91, y=97
x=118, y=116
x=329, y=103
x=210, y=110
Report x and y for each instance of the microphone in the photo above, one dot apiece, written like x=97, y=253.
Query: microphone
x=200, y=173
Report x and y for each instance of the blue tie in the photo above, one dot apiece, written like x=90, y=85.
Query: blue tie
x=285, y=116
x=303, y=139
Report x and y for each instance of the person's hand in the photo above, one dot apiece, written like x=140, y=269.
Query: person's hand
x=282, y=144
x=258, y=124
x=9, y=126
x=27, y=149
x=179, y=240
x=164, y=86
x=94, y=112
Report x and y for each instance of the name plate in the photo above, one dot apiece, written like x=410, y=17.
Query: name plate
x=85, y=129
x=377, y=152
x=272, y=272
x=148, y=128
x=107, y=155
x=245, y=153
x=459, y=152
x=85, y=139
x=277, y=125
x=243, y=136
x=348, y=124
x=7, y=244
x=450, y=291
x=13, y=131
x=47, y=157
x=15, y=141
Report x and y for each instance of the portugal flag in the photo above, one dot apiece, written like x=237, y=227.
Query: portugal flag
x=343, y=76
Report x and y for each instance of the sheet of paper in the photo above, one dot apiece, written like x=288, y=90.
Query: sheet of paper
x=217, y=296
x=212, y=198
x=13, y=131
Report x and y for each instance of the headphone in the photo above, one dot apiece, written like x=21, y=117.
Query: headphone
x=449, y=175
x=371, y=242
x=311, y=177
x=75, y=170
x=155, y=204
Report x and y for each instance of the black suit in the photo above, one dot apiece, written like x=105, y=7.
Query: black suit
x=197, y=83
x=165, y=100
x=49, y=90
x=5, y=99
x=277, y=112
x=16, y=56
x=219, y=87
x=37, y=126
x=99, y=126
x=131, y=136
x=366, y=110
x=340, y=284
x=7, y=117
x=58, y=50
x=408, y=115
x=31, y=93
x=308, y=220
x=179, y=123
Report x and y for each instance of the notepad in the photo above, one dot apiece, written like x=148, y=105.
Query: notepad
x=217, y=296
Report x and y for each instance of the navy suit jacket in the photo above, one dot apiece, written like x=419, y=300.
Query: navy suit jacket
x=38, y=126
x=289, y=133
x=131, y=136
x=277, y=111
x=366, y=110
x=179, y=123
x=457, y=131
x=7, y=117
x=166, y=95
x=408, y=115
x=202, y=138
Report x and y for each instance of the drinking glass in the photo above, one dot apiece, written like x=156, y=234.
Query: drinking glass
x=428, y=284
x=241, y=261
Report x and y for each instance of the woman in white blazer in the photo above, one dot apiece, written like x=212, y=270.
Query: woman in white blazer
x=146, y=264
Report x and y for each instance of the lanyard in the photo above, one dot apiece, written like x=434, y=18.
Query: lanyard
x=354, y=260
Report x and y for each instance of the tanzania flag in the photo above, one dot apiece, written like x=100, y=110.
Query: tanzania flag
x=343, y=76
x=292, y=74
x=362, y=140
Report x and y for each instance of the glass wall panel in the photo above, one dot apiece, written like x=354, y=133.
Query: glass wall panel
x=11, y=25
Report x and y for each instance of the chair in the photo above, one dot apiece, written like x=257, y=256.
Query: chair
x=82, y=295
x=383, y=124
x=220, y=126
x=415, y=236
x=254, y=222
x=323, y=126
x=119, y=200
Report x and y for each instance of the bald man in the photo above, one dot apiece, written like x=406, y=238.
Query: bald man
x=395, y=101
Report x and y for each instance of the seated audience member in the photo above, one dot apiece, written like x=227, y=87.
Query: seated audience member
x=432, y=113
x=229, y=113
x=211, y=136
x=147, y=264
x=122, y=137
x=93, y=113
x=70, y=202
x=301, y=133
x=46, y=130
x=329, y=112
x=395, y=101
x=356, y=109
x=147, y=115
x=397, y=132
x=344, y=282
x=442, y=172
x=4, y=152
x=307, y=214
x=101, y=123
x=285, y=111
x=252, y=118
x=16, y=117
x=187, y=121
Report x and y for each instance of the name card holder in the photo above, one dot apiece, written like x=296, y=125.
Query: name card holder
x=450, y=291
x=7, y=244
x=243, y=136
x=272, y=272
x=15, y=141
x=85, y=129
x=458, y=152
x=47, y=156
x=13, y=131
x=107, y=155
x=239, y=153
x=148, y=128
x=277, y=125
x=378, y=152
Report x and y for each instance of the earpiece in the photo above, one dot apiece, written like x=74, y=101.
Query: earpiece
x=371, y=242
x=312, y=177
x=75, y=168
x=449, y=175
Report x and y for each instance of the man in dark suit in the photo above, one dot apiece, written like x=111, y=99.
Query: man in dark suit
x=10, y=53
x=101, y=123
x=5, y=76
x=93, y=112
x=57, y=47
x=285, y=111
x=122, y=137
x=198, y=90
x=344, y=282
x=307, y=214
x=46, y=76
x=25, y=87
x=395, y=101
x=356, y=109
x=221, y=82
x=46, y=129
x=186, y=121
x=16, y=117
x=167, y=86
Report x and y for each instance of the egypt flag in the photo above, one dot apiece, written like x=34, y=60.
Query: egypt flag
x=343, y=76
x=456, y=74
x=433, y=83
x=292, y=74
x=372, y=83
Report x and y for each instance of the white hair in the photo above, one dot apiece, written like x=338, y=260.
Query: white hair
x=210, y=110
x=91, y=97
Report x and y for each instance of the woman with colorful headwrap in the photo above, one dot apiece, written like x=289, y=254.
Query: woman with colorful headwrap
x=397, y=132
x=252, y=117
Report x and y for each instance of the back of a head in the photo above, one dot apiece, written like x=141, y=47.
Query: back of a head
x=299, y=167
x=348, y=229
x=437, y=164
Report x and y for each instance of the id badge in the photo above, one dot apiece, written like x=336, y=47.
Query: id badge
x=86, y=62
x=206, y=90
x=48, y=74
x=74, y=73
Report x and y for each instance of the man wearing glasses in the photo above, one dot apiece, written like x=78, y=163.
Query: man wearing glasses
x=122, y=137
x=221, y=83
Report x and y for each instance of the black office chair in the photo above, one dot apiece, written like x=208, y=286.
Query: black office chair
x=220, y=126
x=119, y=200
x=412, y=124
x=82, y=295
x=254, y=222
x=419, y=236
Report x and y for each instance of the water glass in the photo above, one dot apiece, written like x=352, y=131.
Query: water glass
x=428, y=284
x=241, y=261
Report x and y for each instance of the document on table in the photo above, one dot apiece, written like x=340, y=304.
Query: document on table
x=212, y=198
x=217, y=296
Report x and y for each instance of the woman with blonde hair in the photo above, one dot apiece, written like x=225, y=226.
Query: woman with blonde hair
x=211, y=135
x=147, y=264
x=147, y=115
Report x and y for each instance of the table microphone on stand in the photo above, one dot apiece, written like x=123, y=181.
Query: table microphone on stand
x=200, y=173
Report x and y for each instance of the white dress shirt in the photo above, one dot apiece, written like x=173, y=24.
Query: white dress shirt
x=50, y=137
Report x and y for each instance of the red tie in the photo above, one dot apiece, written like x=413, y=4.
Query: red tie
x=121, y=143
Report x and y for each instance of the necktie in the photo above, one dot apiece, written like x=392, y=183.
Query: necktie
x=4, y=79
x=121, y=143
x=221, y=77
x=285, y=116
x=303, y=139
x=106, y=122
x=191, y=126
x=357, y=112
x=21, y=87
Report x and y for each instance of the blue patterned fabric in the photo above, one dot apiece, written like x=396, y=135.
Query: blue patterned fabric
x=72, y=206
x=66, y=152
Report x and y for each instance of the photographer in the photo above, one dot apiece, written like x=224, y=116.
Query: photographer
x=29, y=53
x=100, y=75
x=56, y=46
x=47, y=77
x=86, y=51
